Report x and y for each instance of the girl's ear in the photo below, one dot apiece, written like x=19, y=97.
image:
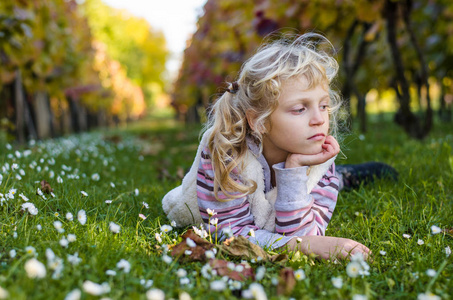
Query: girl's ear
x=251, y=119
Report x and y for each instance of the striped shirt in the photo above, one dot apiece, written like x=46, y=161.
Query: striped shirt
x=297, y=212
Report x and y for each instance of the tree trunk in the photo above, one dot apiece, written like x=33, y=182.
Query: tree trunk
x=43, y=115
x=423, y=67
x=404, y=117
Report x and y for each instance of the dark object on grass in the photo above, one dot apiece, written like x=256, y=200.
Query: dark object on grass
x=355, y=175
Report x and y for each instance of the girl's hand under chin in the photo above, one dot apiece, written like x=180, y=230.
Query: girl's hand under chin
x=330, y=148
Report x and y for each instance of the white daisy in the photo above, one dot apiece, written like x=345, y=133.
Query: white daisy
x=420, y=242
x=71, y=238
x=435, y=229
x=74, y=259
x=110, y=272
x=125, y=265
x=95, y=289
x=299, y=275
x=84, y=194
x=115, y=228
x=337, y=282
x=82, y=216
x=431, y=272
x=73, y=295
x=69, y=216
x=35, y=268
x=155, y=294
x=190, y=243
x=166, y=228
x=217, y=285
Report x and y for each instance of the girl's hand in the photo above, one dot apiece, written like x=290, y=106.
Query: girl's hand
x=328, y=247
x=330, y=148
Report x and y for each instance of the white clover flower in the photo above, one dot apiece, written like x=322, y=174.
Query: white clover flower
x=181, y=273
x=428, y=296
x=382, y=252
x=420, y=242
x=353, y=269
x=431, y=272
x=166, y=228
x=71, y=238
x=84, y=194
x=190, y=243
x=82, y=216
x=95, y=177
x=110, y=273
x=12, y=253
x=30, y=250
x=167, y=259
x=95, y=289
x=35, y=268
x=435, y=229
x=23, y=197
x=115, y=228
x=406, y=236
x=299, y=275
x=73, y=295
x=337, y=282
x=64, y=242
x=217, y=285
x=74, y=259
x=69, y=216
x=448, y=251
x=124, y=265
x=155, y=294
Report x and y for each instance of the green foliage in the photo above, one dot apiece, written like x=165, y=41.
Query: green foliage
x=129, y=40
x=147, y=157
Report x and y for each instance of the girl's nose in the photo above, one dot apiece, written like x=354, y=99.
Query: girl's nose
x=316, y=118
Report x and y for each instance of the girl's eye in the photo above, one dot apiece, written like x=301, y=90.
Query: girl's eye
x=299, y=110
x=324, y=107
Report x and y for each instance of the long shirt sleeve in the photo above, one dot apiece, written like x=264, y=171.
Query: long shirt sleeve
x=297, y=213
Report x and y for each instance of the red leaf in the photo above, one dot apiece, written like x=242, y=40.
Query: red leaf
x=221, y=266
x=198, y=252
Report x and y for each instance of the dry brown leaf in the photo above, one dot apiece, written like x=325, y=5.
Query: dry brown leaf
x=243, y=248
x=198, y=252
x=448, y=231
x=286, y=282
x=221, y=266
x=45, y=187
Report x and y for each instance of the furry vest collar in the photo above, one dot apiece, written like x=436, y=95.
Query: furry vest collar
x=181, y=203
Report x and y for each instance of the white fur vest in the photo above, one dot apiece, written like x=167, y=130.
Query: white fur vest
x=181, y=203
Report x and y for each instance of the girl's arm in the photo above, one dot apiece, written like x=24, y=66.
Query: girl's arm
x=297, y=212
x=232, y=214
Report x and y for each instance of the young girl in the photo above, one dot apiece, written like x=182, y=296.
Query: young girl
x=265, y=165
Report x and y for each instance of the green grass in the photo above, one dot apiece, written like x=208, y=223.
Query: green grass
x=150, y=155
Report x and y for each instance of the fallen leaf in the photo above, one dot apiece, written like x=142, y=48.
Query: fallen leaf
x=241, y=247
x=221, y=266
x=286, y=282
x=45, y=187
x=448, y=231
x=198, y=252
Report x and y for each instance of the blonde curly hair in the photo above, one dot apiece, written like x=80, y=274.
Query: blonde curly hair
x=257, y=91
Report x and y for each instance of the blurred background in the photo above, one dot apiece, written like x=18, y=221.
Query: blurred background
x=70, y=66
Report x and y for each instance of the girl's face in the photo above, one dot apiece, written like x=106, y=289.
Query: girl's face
x=300, y=122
